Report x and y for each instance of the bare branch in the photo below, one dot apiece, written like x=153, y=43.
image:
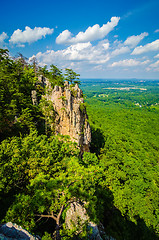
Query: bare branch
x=59, y=215
x=46, y=216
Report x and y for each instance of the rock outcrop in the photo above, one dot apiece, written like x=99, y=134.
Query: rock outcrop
x=77, y=213
x=71, y=117
x=10, y=231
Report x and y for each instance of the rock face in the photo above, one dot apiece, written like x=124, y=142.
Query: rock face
x=71, y=117
x=10, y=231
x=77, y=213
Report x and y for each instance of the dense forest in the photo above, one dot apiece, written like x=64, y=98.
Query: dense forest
x=41, y=173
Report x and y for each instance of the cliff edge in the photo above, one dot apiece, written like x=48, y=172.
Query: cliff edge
x=70, y=113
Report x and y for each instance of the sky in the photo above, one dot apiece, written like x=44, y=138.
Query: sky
x=97, y=39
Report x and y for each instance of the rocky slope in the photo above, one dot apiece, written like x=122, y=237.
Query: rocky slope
x=70, y=113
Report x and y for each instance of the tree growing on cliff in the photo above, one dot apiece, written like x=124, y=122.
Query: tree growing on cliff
x=55, y=76
x=71, y=76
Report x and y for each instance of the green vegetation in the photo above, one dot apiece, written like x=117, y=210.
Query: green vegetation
x=71, y=76
x=41, y=174
x=124, y=120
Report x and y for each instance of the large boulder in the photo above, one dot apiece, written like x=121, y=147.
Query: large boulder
x=77, y=215
x=11, y=231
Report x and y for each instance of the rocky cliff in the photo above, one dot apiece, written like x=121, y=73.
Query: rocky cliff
x=70, y=113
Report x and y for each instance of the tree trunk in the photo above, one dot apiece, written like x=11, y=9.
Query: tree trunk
x=58, y=236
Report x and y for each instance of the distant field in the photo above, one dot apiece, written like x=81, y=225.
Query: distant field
x=128, y=92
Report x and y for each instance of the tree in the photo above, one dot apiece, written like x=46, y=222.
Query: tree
x=71, y=76
x=51, y=180
x=34, y=65
x=56, y=76
x=22, y=60
x=17, y=113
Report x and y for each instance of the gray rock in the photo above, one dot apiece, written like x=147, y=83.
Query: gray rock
x=77, y=215
x=11, y=231
x=34, y=97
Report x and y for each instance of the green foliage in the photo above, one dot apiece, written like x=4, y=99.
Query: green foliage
x=125, y=137
x=82, y=107
x=89, y=159
x=55, y=76
x=17, y=113
x=49, y=179
x=43, y=71
x=48, y=111
x=71, y=76
x=23, y=162
x=46, y=236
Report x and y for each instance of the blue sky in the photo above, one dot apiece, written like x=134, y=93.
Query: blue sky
x=97, y=39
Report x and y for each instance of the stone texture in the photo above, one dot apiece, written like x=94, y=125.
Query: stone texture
x=34, y=97
x=74, y=213
x=71, y=117
x=10, y=231
x=77, y=214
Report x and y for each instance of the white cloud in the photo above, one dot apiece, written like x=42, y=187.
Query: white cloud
x=91, y=34
x=157, y=56
x=106, y=46
x=134, y=40
x=153, y=46
x=121, y=50
x=64, y=37
x=155, y=65
x=80, y=52
x=29, y=35
x=128, y=63
x=3, y=36
x=157, y=30
x=20, y=45
x=156, y=69
x=98, y=68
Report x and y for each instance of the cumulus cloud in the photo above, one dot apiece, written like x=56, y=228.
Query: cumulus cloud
x=128, y=63
x=157, y=56
x=83, y=52
x=91, y=34
x=3, y=36
x=134, y=40
x=155, y=65
x=106, y=46
x=121, y=50
x=29, y=35
x=153, y=46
